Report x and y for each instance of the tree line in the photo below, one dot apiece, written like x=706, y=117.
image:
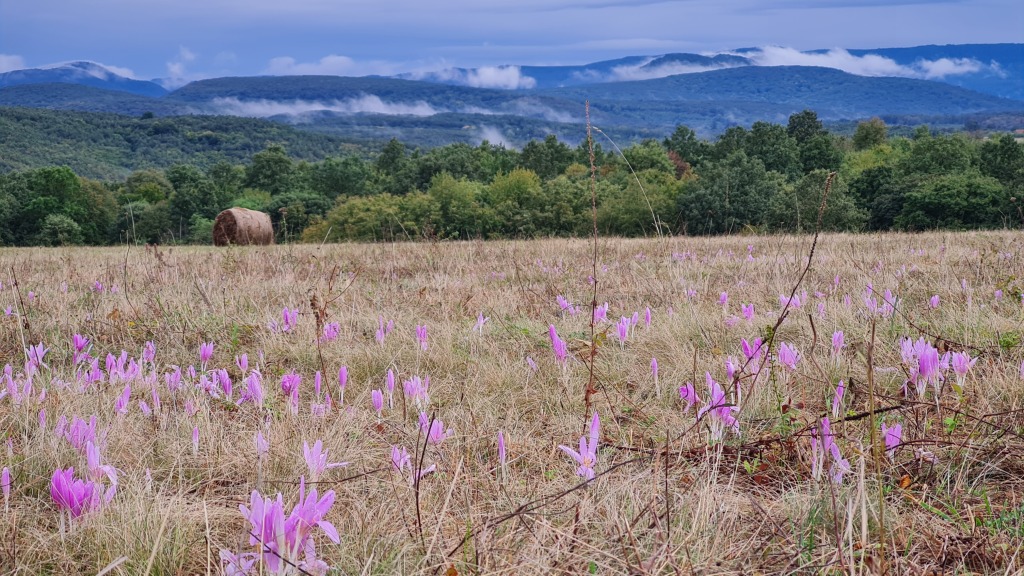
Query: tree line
x=766, y=178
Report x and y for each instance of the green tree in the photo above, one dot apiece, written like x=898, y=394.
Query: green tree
x=1002, y=158
x=649, y=155
x=348, y=176
x=546, y=159
x=728, y=195
x=820, y=153
x=939, y=155
x=687, y=146
x=515, y=199
x=795, y=208
x=59, y=230
x=149, y=185
x=459, y=211
x=271, y=170
x=772, y=145
x=803, y=126
x=734, y=139
x=880, y=192
x=101, y=209
x=956, y=201
x=869, y=134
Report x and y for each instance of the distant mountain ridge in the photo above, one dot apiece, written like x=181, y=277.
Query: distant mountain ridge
x=82, y=73
x=635, y=96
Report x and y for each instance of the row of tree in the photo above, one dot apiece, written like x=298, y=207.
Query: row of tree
x=769, y=177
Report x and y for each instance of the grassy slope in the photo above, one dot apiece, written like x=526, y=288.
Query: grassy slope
x=749, y=508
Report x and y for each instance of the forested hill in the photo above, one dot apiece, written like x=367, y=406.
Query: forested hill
x=110, y=146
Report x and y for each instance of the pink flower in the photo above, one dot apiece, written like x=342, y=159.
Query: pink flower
x=316, y=460
x=893, y=436
x=74, y=495
x=331, y=331
x=837, y=400
x=501, y=452
x=586, y=458
x=433, y=428
x=557, y=344
x=788, y=356
x=719, y=411
x=5, y=484
x=933, y=302
x=688, y=395
x=748, y=311
x=378, y=401
x=342, y=383
x=838, y=341
x=421, y=335
x=281, y=538
x=205, y=353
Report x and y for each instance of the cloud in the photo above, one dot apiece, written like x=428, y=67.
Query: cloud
x=866, y=65
x=366, y=104
x=94, y=69
x=10, y=62
x=504, y=77
x=645, y=72
x=330, y=65
x=495, y=137
x=177, y=69
x=937, y=69
x=500, y=77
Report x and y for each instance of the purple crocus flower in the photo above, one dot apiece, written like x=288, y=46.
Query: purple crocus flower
x=331, y=331
x=557, y=344
x=718, y=409
x=421, y=335
x=205, y=353
x=838, y=342
x=377, y=398
x=748, y=311
x=837, y=400
x=121, y=406
x=892, y=435
x=933, y=302
x=586, y=458
x=788, y=356
x=5, y=485
x=688, y=395
x=74, y=495
x=433, y=429
x=316, y=460
x=501, y=453
x=342, y=383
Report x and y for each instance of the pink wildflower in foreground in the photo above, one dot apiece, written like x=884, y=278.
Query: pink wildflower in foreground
x=501, y=453
x=331, y=331
x=892, y=436
x=586, y=458
x=748, y=311
x=378, y=401
x=823, y=446
x=788, y=356
x=5, y=485
x=284, y=542
x=421, y=335
x=402, y=464
x=73, y=495
x=719, y=411
x=433, y=429
x=205, y=353
x=837, y=400
x=962, y=364
x=316, y=460
x=688, y=395
x=933, y=302
x=557, y=344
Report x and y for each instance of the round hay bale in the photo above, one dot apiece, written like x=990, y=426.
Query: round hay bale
x=242, y=226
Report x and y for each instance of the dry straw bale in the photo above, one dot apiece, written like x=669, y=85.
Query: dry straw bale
x=242, y=226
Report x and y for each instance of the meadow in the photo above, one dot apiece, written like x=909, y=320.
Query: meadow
x=448, y=408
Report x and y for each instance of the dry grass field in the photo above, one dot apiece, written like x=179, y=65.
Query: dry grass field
x=945, y=495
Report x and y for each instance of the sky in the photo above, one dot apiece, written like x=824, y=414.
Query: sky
x=183, y=40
